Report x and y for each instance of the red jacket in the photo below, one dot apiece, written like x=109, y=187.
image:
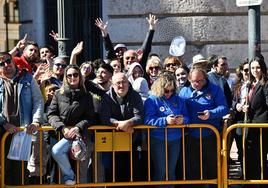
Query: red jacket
x=22, y=63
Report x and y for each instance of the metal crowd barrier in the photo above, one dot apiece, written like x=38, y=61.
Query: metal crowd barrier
x=107, y=139
x=243, y=180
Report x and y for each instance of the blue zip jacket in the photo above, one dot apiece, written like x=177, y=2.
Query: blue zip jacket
x=210, y=97
x=157, y=109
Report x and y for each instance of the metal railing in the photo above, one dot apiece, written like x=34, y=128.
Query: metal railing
x=244, y=180
x=107, y=139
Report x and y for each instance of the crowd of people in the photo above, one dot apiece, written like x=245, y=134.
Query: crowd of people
x=129, y=87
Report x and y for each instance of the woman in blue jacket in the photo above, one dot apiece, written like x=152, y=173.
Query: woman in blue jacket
x=162, y=108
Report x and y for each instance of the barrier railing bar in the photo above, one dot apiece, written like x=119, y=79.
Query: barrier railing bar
x=41, y=155
x=244, y=152
x=183, y=155
x=166, y=153
x=131, y=159
x=261, y=154
x=113, y=159
x=226, y=180
x=149, y=154
x=201, y=181
x=200, y=153
x=95, y=161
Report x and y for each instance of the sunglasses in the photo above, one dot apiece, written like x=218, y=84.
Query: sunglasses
x=223, y=65
x=7, y=61
x=87, y=68
x=74, y=75
x=132, y=58
x=152, y=68
x=60, y=65
x=167, y=91
x=171, y=64
x=246, y=70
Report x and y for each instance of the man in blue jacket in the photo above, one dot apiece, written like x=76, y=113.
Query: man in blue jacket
x=207, y=105
x=21, y=105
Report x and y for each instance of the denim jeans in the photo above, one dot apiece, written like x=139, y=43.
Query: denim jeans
x=158, y=158
x=60, y=153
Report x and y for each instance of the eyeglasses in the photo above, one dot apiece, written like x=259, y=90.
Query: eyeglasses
x=60, y=65
x=171, y=64
x=120, y=83
x=245, y=70
x=197, y=81
x=7, y=61
x=128, y=57
x=74, y=75
x=167, y=91
x=152, y=68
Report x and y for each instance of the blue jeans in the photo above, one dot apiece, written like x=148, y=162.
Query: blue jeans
x=60, y=153
x=158, y=158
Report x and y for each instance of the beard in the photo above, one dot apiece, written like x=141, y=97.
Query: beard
x=31, y=59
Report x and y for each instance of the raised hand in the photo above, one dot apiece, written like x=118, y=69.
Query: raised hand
x=152, y=21
x=46, y=76
x=21, y=44
x=54, y=35
x=103, y=26
x=42, y=68
x=78, y=49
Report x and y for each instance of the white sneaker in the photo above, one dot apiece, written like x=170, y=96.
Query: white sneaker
x=70, y=182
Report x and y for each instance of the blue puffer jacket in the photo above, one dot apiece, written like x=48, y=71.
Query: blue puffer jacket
x=156, y=111
x=211, y=98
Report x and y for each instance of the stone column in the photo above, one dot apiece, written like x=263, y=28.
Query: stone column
x=62, y=40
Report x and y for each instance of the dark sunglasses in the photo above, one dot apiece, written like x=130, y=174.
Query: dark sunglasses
x=60, y=65
x=132, y=58
x=152, y=68
x=7, y=61
x=87, y=68
x=245, y=70
x=167, y=91
x=74, y=75
x=223, y=65
x=171, y=64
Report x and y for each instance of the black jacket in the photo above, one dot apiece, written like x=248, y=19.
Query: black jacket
x=258, y=105
x=72, y=108
x=130, y=108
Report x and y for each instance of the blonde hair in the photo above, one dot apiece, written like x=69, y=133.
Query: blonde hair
x=155, y=61
x=65, y=81
x=165, y=80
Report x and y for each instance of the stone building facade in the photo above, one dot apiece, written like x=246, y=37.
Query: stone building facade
x=209, y=26
x=11, y=29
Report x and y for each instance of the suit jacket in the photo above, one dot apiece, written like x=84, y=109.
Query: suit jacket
x=258, y=105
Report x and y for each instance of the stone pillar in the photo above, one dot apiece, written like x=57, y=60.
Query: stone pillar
x=62, y=40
